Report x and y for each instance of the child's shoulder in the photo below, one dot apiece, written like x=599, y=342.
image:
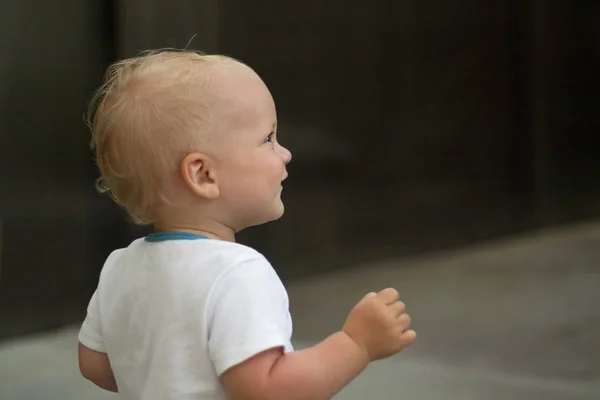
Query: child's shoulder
x=239, y=261
x=237, y=253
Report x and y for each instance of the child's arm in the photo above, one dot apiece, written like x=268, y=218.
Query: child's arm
x=376, y=328
x=95, y=367
x=316, y=373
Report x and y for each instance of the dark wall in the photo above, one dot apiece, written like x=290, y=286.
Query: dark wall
x=51, y=56
x=415, y=125
x=420, y=124
x=564, y=115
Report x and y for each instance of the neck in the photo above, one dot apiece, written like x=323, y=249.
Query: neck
x=210, y=229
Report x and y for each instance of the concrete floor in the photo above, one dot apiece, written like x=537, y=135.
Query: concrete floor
x=512, y=319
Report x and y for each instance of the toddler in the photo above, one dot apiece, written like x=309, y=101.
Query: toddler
x=188, y=142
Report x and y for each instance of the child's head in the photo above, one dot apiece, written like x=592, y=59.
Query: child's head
x=182, y=138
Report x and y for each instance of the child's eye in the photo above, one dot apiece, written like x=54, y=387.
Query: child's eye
x=269, y=138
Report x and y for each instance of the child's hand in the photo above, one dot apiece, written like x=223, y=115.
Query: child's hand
x=379, y=325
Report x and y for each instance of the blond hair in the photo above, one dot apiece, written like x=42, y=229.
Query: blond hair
x=148, y=113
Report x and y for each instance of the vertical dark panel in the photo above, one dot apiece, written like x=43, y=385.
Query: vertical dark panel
x=521, y=167
x=108, y=224
x=50, y=54
x=565, y=122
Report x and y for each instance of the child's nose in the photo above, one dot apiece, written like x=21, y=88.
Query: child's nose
x=286, y=155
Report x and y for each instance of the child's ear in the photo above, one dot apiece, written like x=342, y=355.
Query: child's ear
x=199, y=176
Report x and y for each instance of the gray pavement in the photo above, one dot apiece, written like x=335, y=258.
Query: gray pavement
x=509, y=319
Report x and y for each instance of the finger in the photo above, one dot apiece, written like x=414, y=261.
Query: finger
x=397, y=308
x=404, y=321
x=389, y=295
x=408, y=337
x=368, y=296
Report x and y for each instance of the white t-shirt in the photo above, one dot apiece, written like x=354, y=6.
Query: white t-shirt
x=173, y=314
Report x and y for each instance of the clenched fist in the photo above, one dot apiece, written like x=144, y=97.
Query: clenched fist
x=379, y=324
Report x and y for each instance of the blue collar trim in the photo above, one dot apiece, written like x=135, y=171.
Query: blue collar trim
x=166, y=236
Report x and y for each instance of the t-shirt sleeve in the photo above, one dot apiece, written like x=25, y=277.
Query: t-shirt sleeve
x=248, y=314
x=90, y=333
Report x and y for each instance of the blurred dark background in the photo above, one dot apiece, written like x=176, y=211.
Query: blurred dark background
x=415, y=126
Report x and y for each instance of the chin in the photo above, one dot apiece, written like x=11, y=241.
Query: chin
x=271, y=217
x=280, y=209
x=277, y=213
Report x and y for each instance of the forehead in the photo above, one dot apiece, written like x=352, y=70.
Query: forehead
x=241, y=100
